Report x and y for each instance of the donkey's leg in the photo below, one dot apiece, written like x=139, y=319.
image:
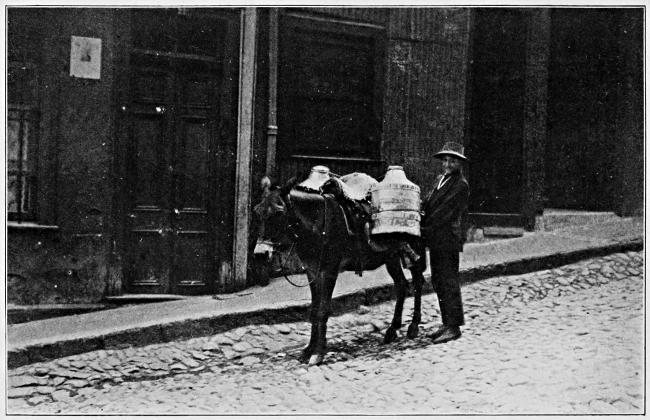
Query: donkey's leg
x=395, y=271
x=315, y=288
x=328, y=281
x=418, y=281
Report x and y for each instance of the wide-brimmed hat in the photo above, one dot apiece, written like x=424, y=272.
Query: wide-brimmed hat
x=452, y=149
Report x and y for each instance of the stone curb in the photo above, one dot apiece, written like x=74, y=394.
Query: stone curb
x=186, y=329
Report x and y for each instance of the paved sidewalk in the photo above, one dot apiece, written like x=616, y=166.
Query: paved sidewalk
x=280, y=302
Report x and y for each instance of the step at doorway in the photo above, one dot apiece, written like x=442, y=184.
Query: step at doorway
x=553, y=219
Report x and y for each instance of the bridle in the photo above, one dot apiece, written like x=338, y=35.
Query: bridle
x=291, y=227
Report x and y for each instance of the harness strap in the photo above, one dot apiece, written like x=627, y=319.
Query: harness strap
x=322, y=249
x=347, y=221
x=355, y=237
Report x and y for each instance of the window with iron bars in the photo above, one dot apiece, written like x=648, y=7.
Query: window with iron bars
x=22, y=141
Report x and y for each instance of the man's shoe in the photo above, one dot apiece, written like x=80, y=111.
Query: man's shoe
x=439, y=331
x=450, y=333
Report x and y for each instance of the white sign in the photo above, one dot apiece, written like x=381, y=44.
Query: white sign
x=85, y=57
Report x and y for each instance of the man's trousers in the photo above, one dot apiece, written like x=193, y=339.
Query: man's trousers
x=446, y=283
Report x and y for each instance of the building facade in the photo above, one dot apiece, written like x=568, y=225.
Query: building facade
x=136, y=138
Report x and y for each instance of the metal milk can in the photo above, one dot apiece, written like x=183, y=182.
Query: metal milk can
x=395, y=204
x=317, y=177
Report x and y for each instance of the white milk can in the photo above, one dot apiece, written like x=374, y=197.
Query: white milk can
x=395, y=204
x=317, y=177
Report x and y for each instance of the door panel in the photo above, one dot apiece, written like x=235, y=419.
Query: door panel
x=193, y=266
x=148, y=136
x=192, y=262
x=194, y=181
x=149, y=224
x=150, y=270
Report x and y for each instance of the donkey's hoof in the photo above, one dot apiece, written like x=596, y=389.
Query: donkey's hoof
x=390, y=336
x=315, y=359
x=412, y=331
x=305, y=354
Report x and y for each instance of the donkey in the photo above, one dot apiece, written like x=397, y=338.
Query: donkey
x=316, y=226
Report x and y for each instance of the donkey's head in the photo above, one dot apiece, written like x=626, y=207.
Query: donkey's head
x=273, y=216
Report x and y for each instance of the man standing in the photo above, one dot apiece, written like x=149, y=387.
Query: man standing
x=441, y=226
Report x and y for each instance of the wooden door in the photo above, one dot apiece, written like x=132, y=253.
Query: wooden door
x=174, y=120
x=496, y=111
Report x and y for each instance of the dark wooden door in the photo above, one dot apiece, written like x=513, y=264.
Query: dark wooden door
x=174, y=120
x=495, y=140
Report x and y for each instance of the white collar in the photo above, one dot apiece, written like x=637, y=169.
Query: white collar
x=443, y=181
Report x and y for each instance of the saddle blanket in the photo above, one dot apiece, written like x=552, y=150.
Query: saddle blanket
x=354, y=186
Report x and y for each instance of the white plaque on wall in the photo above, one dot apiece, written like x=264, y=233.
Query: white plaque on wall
x=85, y=57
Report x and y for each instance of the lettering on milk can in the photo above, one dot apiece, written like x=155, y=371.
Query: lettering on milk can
x=395, y=204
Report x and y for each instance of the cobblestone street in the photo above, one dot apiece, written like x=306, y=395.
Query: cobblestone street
x=562, y=341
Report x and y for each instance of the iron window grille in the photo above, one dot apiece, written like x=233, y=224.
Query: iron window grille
x=22, y=141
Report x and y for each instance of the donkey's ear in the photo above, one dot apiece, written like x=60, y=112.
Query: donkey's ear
x=265, y=183
x=284, y=190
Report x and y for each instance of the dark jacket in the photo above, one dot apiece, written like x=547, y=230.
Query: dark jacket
x=444, y=210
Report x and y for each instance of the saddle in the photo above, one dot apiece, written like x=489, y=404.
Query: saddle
x=352, y=193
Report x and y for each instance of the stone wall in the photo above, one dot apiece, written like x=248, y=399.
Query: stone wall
x=535, y=113
x=424, y=99
x=49, y=268
x=68, y=264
